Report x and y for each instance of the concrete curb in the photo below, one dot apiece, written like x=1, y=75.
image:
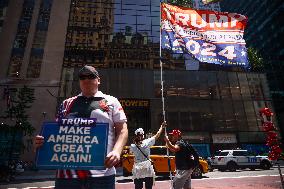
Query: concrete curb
x=36, y=175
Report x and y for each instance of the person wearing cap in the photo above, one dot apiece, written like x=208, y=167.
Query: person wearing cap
x=186, y=158
x=92, y=103
x=143, y=170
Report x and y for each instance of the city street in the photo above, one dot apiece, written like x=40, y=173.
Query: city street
x=268, y=179
x=145, y=87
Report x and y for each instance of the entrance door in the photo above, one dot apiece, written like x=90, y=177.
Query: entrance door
x=138, y=115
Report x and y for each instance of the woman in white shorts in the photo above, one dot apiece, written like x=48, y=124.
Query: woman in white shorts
x=143, y=170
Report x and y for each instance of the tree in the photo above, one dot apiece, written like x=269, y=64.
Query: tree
x=184, y=3
x=16, y=119
x=255, y=60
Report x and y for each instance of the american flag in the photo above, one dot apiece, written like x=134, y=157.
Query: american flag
x=60, y=112
x=64, y=108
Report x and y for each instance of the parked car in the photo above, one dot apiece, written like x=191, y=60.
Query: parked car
x=238, y=159
x=209, y=161
x=161, y=162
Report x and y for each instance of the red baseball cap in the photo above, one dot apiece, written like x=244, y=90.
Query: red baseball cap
x=175, y=132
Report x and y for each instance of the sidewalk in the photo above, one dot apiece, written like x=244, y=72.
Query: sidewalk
x=50, y=174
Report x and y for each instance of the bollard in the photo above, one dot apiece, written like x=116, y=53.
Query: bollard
x=280, y=174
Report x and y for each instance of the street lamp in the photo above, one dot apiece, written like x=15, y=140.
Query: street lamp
x=44, y=115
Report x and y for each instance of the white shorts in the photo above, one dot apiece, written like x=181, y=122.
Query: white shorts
x=143, y=169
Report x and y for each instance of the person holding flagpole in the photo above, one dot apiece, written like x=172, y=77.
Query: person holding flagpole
x=186, y=159
x=143, y=170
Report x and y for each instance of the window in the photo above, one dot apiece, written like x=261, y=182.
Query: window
x=240, y=153
x=185, y=120
x=173, y=120
x=37, y=51
x=113, y=19
x=158, y=151
x=21, y=39
x=34, y=66
x=247, y=137
x=223, y=153
x=224, y=85
x=15, y=65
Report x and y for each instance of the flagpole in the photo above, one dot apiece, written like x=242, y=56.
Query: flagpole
x=162, y=96
x=161, y=73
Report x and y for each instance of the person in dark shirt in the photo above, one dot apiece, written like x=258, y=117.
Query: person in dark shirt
x=186, y=158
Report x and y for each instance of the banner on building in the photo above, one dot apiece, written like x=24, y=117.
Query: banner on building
x=77, y=143
x=208, y=36
x=224, y=138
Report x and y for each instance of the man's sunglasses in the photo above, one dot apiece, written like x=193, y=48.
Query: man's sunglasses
x=83, y=77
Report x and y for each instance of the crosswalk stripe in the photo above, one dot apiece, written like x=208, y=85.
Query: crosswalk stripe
x=32, y=187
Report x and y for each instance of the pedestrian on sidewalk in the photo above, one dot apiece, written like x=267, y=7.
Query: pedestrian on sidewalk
x=92, y=103
x=186, y=159
x=143, y=170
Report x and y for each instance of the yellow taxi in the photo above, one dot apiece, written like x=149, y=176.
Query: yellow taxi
x=161, y=162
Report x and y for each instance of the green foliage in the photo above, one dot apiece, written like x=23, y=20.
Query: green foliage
x=15, y=124
x=183, y=3
x=255, y=60
x=16, y=116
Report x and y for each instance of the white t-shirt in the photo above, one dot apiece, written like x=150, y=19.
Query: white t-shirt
x=115, y=114
x=145, y=148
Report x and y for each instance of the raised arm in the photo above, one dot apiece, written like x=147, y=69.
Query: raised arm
x=172, y=148
x=159, y=132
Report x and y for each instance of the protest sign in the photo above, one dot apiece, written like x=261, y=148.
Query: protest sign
x=77, y=143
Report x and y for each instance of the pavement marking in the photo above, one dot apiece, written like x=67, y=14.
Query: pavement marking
x=253, y=176
x=42, y=187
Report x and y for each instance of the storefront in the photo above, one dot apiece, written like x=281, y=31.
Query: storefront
x=138, y=115
x=223, y=141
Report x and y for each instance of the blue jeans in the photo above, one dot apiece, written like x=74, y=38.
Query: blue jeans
x=107, y=182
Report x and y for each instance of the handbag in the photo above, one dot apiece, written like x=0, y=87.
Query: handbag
x=145, y=155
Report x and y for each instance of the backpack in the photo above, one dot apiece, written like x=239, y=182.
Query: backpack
x=192, y=153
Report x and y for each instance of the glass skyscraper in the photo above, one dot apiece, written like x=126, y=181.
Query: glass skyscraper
x=265, y=33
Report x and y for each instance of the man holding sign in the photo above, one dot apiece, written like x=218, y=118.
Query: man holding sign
x=89, y=107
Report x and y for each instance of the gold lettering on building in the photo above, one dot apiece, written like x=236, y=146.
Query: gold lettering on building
x=143, y=103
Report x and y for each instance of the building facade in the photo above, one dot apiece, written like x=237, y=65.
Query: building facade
x=47, y=42
x=265, y=33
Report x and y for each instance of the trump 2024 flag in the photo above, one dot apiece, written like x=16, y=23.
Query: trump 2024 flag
x=209, y=36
